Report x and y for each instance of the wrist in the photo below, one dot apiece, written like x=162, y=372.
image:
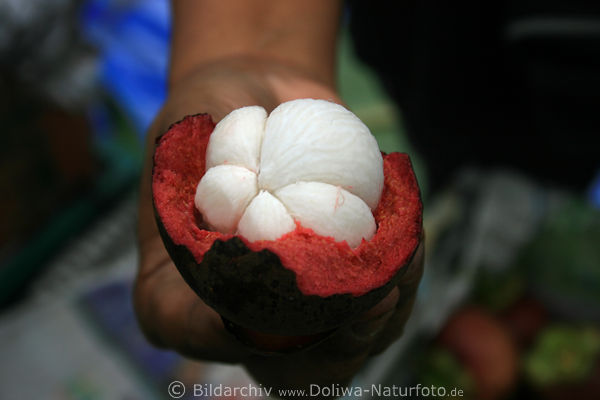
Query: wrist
x=300, y=34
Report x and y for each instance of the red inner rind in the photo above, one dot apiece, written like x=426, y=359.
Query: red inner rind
x=323, y=267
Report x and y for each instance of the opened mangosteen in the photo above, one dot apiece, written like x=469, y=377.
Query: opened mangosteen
x=291, y=223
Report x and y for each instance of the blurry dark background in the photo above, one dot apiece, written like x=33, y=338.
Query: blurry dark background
x=75, y=101
x=509, y=306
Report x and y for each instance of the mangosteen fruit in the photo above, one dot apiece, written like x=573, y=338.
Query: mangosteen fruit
x=290, y=223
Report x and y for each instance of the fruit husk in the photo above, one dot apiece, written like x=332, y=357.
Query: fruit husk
x=249, y=285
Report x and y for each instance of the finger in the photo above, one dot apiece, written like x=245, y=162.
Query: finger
x=383, y=307
x=173, y=316
x=342, y=355
x=407, y=290
x=300, y=370
x=271, y=344
x=363, y=329
x=394, y=307
x=379, y=326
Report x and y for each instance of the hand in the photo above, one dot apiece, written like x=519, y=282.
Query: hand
x=173, y=316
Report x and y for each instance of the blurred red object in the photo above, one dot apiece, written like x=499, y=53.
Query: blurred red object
x=525, y=319
x=485, y=348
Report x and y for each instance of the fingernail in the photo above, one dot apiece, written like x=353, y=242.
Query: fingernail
x=368, y=329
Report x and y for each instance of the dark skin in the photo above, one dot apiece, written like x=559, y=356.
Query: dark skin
x=265, y=54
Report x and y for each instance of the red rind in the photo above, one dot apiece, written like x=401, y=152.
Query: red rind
x=322, y=266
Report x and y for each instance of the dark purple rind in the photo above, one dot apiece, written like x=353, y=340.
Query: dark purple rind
x=254, y=290
x=174, y=124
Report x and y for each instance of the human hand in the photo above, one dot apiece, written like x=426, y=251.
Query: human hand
x=173, y=316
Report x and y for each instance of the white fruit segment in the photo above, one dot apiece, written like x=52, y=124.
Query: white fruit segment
x=237, y=138
x=317, y=164
x=329, y=211
x=317, y=140
x=265, y=218
x=223, y=194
